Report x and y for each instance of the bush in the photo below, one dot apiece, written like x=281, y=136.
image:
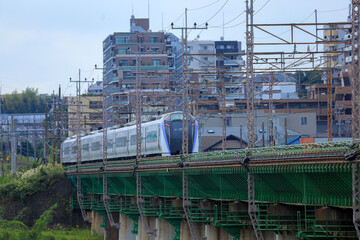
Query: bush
x=29, y=182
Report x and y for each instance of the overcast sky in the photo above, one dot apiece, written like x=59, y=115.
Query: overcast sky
x=43, y=43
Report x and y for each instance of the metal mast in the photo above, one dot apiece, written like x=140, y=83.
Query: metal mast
x=355, y=54
x=78, y=116
x=252, y=208
x=185, y=123
x=271, y=115
x=78, y=143
x=250, y=73
x=138, y=113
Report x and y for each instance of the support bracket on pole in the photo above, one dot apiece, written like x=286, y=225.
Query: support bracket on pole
x=79, y=198
x=140, y=202
x=106, y=204
x=186, y=206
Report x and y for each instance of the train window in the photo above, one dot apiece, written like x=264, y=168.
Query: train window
x=151, y=137
x=66, y=150
x=85, y=147
x=121, y=142
x=73, y=149
x=133, y=140
x=95, y=146
x=109, y=143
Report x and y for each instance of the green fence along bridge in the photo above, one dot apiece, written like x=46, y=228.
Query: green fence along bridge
x=301, y=191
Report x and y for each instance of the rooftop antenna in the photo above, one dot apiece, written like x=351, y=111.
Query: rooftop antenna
x=132, y=9
x=162, y=21
x=149, y=10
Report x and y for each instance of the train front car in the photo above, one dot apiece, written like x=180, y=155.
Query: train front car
x=173, y=124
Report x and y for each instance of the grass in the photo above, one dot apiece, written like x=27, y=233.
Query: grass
x=69, y=234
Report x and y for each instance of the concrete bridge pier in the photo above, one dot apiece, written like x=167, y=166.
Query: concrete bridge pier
x=216, y=233
x=97, y=223
x=185, y=233
x=142, y=234
x=126, y=226
x=164, y=230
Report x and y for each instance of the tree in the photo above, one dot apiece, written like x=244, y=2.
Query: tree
x=306, y=79
x=29, y=101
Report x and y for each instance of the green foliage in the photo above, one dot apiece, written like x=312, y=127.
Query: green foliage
x=29, y=101
x=41, y=223
x=306, y=79
x=21, y=214
x=29, y=182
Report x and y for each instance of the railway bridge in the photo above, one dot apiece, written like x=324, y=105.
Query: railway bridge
x=304, y=191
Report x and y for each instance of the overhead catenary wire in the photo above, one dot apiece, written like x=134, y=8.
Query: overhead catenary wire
x=199, y=8
x=215, y=13
x=238, y=24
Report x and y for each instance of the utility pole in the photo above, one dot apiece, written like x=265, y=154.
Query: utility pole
x=250, y=73
x=46, y=140
x=355, y=100
x=13, y=146
x=58, y=133
x=185, y=123
x=78, y=116
x=78, y=144
x=286, y=133
x=185, y=80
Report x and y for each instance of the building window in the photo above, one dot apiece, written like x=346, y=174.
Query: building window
x=95, y=116
x=205, y=47
x=156, y=62
x=155, y=50
x=154, y=39
x=303, y=120
x=229, y=46
x=122, y=40
x=127, y=74
x=123, y=62
x=123, y=51
x=205, y=58
x=95, y=105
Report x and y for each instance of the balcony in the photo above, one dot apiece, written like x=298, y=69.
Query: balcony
x=144, y=68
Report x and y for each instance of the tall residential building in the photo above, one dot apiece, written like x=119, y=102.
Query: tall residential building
x=341, y=41
x=96, y=88
x=158, y=53
x=226, y=57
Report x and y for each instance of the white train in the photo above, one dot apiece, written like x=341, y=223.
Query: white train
x=160, y=137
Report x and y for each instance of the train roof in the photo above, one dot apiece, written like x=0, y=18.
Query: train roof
x=132, y=123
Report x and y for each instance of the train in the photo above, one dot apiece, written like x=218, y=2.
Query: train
x=160, y=136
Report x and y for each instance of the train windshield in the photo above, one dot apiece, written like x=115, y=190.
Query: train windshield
x=177, y=117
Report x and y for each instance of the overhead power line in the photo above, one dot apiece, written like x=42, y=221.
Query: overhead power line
x=199, y=8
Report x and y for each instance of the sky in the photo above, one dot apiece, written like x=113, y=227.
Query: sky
x=44, y=43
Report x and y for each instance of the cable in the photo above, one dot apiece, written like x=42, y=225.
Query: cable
x=221, y=26
x=169, y=26
x=215, y=13
x=337, y=10
x=194, y=9
x=261, y=7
